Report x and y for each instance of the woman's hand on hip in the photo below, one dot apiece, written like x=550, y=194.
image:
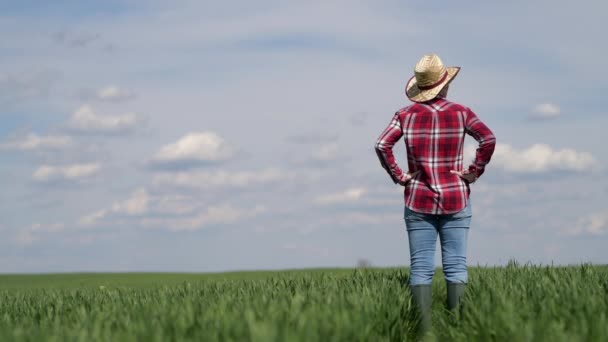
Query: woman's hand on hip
x=469, y=177
x=406, y=177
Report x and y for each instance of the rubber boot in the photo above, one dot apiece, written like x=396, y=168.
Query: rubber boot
x=455, y=293
x=422, y=297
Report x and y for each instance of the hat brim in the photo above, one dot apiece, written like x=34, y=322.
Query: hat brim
x=417, y=95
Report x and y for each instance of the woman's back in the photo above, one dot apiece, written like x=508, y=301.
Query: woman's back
x=434, y=133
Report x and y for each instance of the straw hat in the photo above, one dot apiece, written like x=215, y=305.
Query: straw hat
x=430, y=76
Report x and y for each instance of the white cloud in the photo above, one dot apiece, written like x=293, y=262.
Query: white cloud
x=195, y=148
x=308, y=249
x=25, y=238
x=349, y=195
x=545, y=111
x=25, y=86
x=32, y=141
x=136, y=205
x=469, y=155
x=541, y=158
x=204, y=179
x=327, y=152
x=353, y=218
x=358, y=118
x=76, y=39
x=594, y=225
x=344, y=220
x=48, y=228
x=312, y=138
x=31, y=234
x=85, y=120
x=537, y=158
x=38, y=232
x=175, y=213
x=93, y=218
x=114, y=94
x=49, y=173
x=174, y=205
x=221, y=214
x=322, y=155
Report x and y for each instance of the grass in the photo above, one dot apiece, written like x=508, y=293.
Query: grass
x=513, y=303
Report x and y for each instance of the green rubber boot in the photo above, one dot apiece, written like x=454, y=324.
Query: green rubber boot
x=422, y=297
x=455, y=293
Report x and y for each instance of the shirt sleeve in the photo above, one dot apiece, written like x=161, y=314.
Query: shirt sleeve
x=384, y=149
x=486, y=139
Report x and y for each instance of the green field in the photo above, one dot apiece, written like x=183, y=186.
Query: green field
x=513, y=303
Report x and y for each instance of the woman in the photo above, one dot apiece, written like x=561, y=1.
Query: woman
x=436, y=184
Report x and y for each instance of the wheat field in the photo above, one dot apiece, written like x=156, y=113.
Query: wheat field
x=512, y=303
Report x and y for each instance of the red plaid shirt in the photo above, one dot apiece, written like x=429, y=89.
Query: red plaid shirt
x=434, y=133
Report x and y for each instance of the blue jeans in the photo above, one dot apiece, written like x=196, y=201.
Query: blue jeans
x=422, y=230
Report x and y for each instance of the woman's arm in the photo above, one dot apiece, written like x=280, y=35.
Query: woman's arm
x=486, y=139
x=384, y=149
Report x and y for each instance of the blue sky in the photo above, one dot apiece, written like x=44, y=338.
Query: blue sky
x=197, y=136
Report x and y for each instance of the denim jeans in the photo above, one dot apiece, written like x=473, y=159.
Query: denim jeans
x=422, y=230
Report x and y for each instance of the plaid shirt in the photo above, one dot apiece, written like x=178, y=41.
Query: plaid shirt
x=434, y=133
